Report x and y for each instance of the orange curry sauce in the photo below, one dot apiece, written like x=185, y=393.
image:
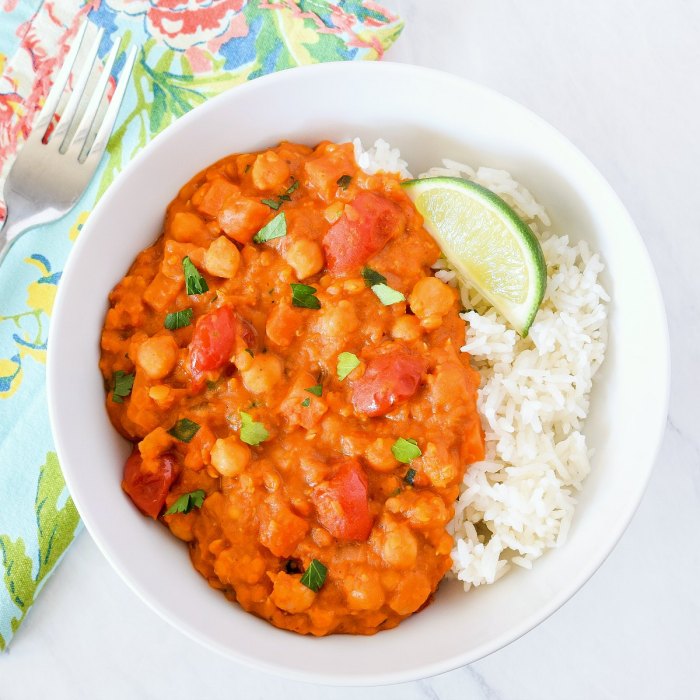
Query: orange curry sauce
x=312, y=475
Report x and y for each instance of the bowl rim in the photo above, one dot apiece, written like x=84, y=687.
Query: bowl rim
x=459, y=659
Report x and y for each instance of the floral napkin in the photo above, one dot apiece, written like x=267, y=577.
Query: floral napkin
x=189, y=50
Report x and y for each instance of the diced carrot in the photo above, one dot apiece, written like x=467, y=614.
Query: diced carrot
x=161, y=293
x=187, y=227
x=215, y=194
x=174, y=252
x=283, y=323
x=280, y=529
x=241, y=218
x=301, y=407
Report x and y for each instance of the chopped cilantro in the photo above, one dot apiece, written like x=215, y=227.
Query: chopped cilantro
x=410, y=476
x=315, y=576
x=316, y=389
x=194, y=282
x=405, y=450
x=252, y=432
x=122, y=385
x=387, y=295
x=372, y=277
x=272, y=203
x=277, y=203
x=188, y=501
x=346, y=364
x=178, y=319
x=304, y=296
x=184, y=430
x=276, y=228
x=306, y=402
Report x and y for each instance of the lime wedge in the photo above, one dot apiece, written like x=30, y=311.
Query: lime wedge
x=486, y=243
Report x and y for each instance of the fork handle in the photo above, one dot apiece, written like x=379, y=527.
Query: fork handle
x=6, y=237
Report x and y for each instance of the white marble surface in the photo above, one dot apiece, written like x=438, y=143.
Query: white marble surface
x=620, y=79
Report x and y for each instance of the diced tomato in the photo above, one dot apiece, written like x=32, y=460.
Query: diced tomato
x=342, y=504
x=148, y=488
x=388, y=380
x=362, y=232
x=214, y=340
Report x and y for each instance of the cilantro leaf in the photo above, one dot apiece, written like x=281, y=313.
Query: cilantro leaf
x=372, y=277
x=252, y=432
x=194, y=282
x=186, y=502
x=315, y=576
x=410, y=476
x=346, y=364
x=306, y=402
x=405, y=450
x=387, y=295
x=293, y=187
x=316, y=389
x=343, y=181
x=184, y=430
x=304, y=296
x=272, y=203
x=123, y=383
x=276, y=228
x=178, y=319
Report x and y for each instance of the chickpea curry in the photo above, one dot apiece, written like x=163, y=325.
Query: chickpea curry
x=288, y=370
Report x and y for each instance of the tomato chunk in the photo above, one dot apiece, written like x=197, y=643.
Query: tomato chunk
x=361, y=233
x=148, y=488
x=342, y=503
x=213, y=341
x=388, y=380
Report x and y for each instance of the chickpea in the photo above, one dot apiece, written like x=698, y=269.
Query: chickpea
x=421, y=509
x=364, y=590
x=406, y=328
x=338, y=320
x=157, y=356
x=400, y=548
x=222, y=258
x=305, y=257
x=431, y=297
x=380, y=456
x=229, y=456
x=289, y=594
x=412, y=591
x=439, y=466
x=269, y=171
x=263, y=373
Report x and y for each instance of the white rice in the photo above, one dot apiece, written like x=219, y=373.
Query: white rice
x=534, y=393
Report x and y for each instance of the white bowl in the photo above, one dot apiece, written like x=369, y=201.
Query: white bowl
x=429, y=115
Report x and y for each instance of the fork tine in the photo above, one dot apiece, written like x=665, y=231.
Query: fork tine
x=100, y=143
x=76, y=95
x=83, y=131
x=54, y=96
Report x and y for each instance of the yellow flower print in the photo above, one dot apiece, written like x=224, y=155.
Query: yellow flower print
x=77, y=227
x=10, y=376
x=40, y=297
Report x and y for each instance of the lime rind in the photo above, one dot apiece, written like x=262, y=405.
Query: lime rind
x=486, y=243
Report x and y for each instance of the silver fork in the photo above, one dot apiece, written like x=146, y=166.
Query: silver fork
x=47, y=179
